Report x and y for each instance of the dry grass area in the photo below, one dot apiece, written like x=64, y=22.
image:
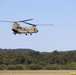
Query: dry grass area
x=38, y=72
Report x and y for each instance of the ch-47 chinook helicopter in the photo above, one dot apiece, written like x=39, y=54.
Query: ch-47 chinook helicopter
x=17, y=29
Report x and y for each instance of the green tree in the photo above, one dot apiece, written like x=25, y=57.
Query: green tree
x=34, y=67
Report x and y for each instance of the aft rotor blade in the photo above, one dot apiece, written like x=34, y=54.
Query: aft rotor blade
x=17, y=21
x=7, y=21
x=25, y=20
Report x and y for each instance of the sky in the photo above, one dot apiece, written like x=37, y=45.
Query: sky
x=61, y=13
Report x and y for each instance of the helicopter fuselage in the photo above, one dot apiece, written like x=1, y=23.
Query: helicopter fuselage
x=17, y=29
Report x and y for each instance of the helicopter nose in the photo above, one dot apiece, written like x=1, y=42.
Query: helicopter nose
x=37, y=30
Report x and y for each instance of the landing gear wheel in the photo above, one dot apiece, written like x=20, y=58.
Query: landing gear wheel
x=30, y=34
x=14, y=33
x=26, y=34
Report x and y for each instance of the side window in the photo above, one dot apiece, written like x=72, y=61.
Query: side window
x=34, y=29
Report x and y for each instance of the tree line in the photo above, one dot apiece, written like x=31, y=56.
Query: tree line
x=27, y=59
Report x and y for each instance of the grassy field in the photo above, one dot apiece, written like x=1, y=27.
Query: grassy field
x=39, y=72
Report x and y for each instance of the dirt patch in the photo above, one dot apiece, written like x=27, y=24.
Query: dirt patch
x=39, y=72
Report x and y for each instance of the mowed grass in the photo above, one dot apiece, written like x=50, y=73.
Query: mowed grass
x=39, y=72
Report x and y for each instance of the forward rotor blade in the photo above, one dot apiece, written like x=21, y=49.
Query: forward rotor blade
x=28, y=23
x=38, y=24
x=44, y=24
